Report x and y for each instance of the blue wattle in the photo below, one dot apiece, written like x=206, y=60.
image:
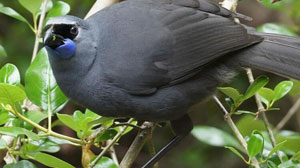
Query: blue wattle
x=66, y=50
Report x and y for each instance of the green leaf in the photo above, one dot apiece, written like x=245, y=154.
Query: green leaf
x=4, y=117
x=276, y=29
x=214, y=136
x=60, y=8
x=2, y=50
x=271, y=164
x=68, y=121
x=9, y=74
x=255, y=144
x=247, y=124
x=44, y=145
x=21, y=164
x=51, y=161
x=269, y=4
x=106, y=135
x=60, y=141
x=277, y=147
x=11, y=94
x=35, y=116
x=296, y=88
x=239, y=112
x=230, y=92
x=237, y=153
x=296, y=156
x=266, y=96
x=89, y=113
x=293, y=138
x=259, y=83
x=32, y=6
x=12, y=13
x=15, y=131
x=40, y=84
x=105, y=162
x=103, y=121
x=282, y=89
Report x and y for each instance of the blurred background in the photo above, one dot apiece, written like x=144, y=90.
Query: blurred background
x=18, y=41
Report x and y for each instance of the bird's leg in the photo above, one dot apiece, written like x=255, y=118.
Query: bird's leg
x=181, y=127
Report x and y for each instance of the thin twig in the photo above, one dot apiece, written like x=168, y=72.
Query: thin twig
x=288, y=115
x=228, y=119
x=113, y=155
x=38, y=32
x=136, y=146
x=236, y=131
x=112, y=142
x=151, y=148
x=128, y=124
x=262, y=110
x=37, y=126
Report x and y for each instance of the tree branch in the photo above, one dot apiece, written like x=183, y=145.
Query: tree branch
x=112, y=142
x=288, y=116
x=138, y=143
x=262, y=110
x=38, y=32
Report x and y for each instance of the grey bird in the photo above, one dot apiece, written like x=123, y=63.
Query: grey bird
x=154, y=59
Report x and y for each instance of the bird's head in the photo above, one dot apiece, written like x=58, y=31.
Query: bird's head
x=71, y=46
x=63, y=34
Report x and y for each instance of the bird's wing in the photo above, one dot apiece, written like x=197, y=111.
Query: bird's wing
x=202, y=32
x=176, y=40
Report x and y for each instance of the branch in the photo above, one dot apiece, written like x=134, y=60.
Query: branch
x=38, y=32
x=262, y=110
x=136, y=146
x=236, y=131
x=288, y=116
x=112, y=142
x=231, y=124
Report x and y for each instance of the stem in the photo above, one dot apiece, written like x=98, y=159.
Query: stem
x=113, y=155
x=112, y=142
x=236, y=131
x=137, y=145
x=38, y=32
x=151, y=148
x=37, y=126
x=288, y=116
x=49, y=103
x=127, y=124
x=262, y=110
x=228, y=119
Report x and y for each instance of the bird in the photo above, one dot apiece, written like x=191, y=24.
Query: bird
x=154, y=59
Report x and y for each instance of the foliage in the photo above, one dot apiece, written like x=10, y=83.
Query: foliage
x=42, y=90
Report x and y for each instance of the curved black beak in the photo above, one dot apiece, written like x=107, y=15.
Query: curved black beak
x=51, y=39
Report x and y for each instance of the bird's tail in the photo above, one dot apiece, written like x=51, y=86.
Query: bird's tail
x=278, y=54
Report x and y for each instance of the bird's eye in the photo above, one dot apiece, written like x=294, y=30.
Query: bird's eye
x=74, y=30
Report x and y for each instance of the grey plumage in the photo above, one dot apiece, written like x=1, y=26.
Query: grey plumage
x=154, y=59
